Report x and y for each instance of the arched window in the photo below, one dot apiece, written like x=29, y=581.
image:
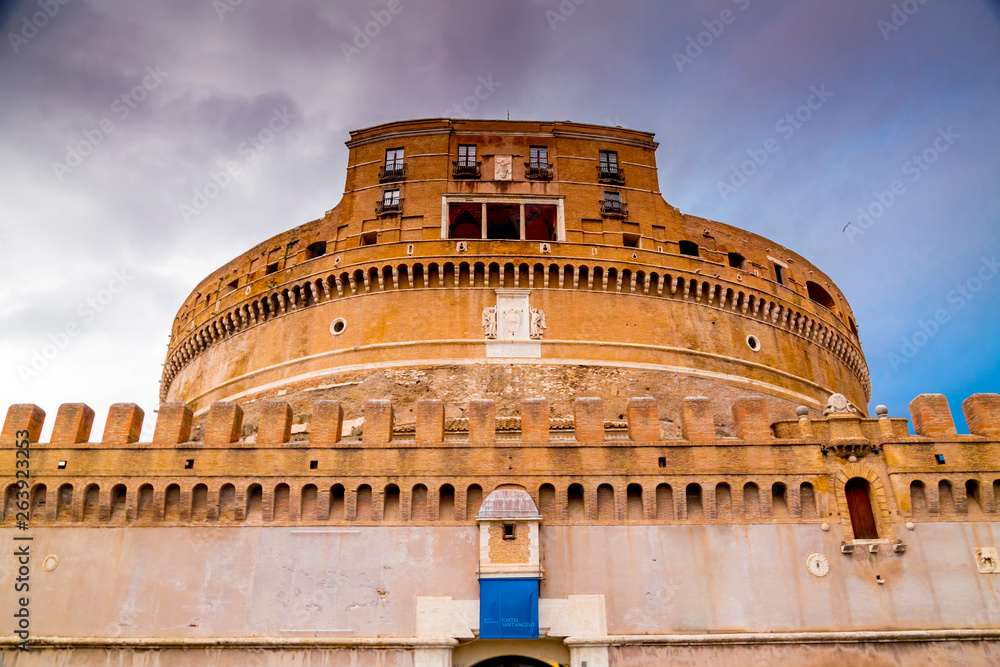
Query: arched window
x=390, y=497
x=820, y=295
x=859, y=504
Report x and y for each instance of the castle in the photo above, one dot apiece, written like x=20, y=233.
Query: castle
x=504, y=405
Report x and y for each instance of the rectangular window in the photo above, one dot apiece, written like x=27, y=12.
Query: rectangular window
x=466, y=165
x=779, y=274
x=612, y=204
x=394, y=157
x=608, y=170
x=467, y=155
x=390, y=197
x=538, y=156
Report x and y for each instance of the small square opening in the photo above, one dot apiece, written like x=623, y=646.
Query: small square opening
x=233, y=285
x=369, y=238
x=271, y=268
x=630, y=240
x=189, y=464
x=662, y=461
x=62, y=465
x=939, y=458
x=313, y=465
x=509, y=531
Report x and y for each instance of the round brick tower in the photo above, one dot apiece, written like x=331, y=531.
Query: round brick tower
x=504, y=259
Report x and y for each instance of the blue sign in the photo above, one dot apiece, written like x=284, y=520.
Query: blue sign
x=508, y=608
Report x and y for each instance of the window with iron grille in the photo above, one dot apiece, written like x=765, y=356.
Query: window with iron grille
x=607, y=168
x=609, y=161
x=538, y=156
x=467, y=155
x=612, y=204
x=390, y=197
x=393, y=169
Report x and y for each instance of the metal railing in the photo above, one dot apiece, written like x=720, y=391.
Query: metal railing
x=537, y=171
x=614, y=208
x=393, y=171
x=389, y=207
x=610, y=174
x=466, y=169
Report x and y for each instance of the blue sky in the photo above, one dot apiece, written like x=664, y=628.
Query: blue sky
x=97, y=258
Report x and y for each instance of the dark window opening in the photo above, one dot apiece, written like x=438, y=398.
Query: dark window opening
x=503, y=222
x=854, y=327
x=689, y=248
x=508, y=531
x=271, y=268
x=313, y=465
x=314, y=250
x=820, y=295
x=465, y=221
x=662, y=461
x=189, y=464
x=62, y=465
x=939, y=458
x=779, y=274
x=859, y=505
x=539, y=223
x=736, y=260
x=233, y=285
x=369, y=238
x=630, y=240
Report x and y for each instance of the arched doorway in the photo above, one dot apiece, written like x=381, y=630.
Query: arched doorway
x=859, y=504
x=511, y=661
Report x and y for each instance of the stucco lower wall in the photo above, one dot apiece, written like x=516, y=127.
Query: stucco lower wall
x=363, y=581
x=927, y=654
x=209, y=657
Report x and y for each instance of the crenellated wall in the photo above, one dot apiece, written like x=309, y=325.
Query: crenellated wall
x=585, y=470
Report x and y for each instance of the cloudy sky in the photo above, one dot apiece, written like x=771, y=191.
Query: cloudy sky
x=115, y=113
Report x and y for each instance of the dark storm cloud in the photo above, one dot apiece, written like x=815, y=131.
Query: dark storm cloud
x=62, y=235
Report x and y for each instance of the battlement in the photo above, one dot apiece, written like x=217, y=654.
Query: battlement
x=930, y=412
x=585, y=469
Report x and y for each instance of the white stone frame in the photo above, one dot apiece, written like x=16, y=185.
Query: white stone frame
x=522, y=200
